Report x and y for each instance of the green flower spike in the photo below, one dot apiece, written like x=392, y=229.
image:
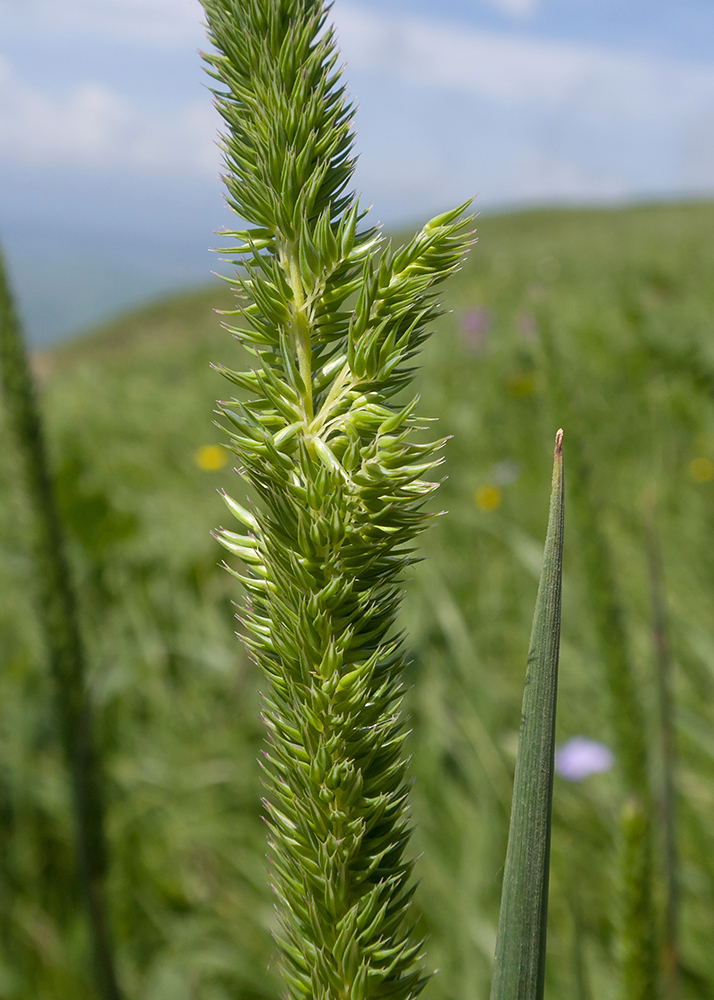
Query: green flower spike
x=332, y=318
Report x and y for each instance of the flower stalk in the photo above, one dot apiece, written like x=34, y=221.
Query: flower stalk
x=57, y=604
x=331, y=318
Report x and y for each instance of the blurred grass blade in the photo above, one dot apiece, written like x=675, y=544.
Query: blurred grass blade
x=667, y=797
x=638, y=978
x=463, y=655
x=581, y=980
x=520, y=947
x=637, y=924
x=60, y=623
x=580, y=970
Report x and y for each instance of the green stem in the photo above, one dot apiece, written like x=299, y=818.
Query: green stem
x=60, y=622
x=519, y=966
x=668, y=754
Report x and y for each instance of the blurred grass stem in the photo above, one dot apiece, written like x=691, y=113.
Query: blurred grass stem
x=580, y=969
x=463, y=655
x=667, y=804
x=60, y=623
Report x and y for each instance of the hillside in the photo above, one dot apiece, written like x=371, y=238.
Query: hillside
x=629, y=295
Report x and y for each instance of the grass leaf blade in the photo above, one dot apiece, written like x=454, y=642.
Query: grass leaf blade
x=520, y=946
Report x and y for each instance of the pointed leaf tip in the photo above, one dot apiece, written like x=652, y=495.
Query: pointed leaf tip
x=520, y=948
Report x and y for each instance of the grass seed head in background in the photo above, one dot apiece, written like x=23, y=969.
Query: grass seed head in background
x=63, y=640
x=519, y=967
x=333, y=318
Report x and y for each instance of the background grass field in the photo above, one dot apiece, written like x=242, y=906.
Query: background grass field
x=630, y=297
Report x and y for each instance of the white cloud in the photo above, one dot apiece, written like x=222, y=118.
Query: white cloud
x=157, y=23
x=549, y=118
x=92, y=127
x=517, y=119
x=529, y=72
x=516, y=8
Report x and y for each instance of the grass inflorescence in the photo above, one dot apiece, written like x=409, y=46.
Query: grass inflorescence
x=330, y=449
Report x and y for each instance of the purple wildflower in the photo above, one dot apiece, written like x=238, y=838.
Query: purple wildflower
x=580, y=757
x=475, y=324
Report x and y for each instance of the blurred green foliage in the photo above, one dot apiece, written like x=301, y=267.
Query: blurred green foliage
x=630, y=297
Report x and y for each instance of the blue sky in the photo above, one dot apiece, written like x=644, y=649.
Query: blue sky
x=109, y=187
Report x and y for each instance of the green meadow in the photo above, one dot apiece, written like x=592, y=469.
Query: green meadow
x=628, y=295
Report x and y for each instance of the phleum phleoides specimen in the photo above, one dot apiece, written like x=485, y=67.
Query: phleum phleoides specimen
x=332, y=318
